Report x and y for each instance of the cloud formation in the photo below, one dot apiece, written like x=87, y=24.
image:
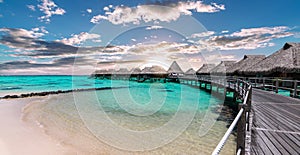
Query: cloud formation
x=89, y=10
x=251, y=38
x=78, y=39
x=49, y=8
x=28, y=45
x=31, y=7
x=154, y=13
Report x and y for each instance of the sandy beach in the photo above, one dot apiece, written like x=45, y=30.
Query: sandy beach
x=18, y=137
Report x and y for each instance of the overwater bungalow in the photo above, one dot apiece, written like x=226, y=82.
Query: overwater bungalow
x=152, y=74
x=122, y=71
x=135, y=71
x=205, y=69
x=283, y=63
x=190, y=71
x=242, y=65
x=175, y=70
x=222, y=68
x=154, y=71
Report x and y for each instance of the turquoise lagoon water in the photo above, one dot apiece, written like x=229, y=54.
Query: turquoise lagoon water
x=106, y=121
x=27, y=84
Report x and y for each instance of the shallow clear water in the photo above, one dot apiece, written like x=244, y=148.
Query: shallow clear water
x=151, y=118
x=27, y=84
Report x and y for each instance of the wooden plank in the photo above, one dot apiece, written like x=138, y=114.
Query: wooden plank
x=258, y=142
x=277, y=141
x=294, y=145
x=266, y=121
x=280, y=124
x=284, y=119
x=268, y=142
x=292, y=109
x=278, y=117
x=274, y=123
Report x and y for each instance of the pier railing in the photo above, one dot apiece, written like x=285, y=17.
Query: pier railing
x=244, y=90
x=277, y=85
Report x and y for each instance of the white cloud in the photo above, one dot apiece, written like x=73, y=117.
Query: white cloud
x=106, y=8
x=260, y=31
x=251, y=38
x=31, y=7
x=49, y=8
x=225, y=31
x=22, y=39
x=34, y=33
x=198, y=6
x=89, y=10
x=77, y=39
x=202, y=34
x=154, y=27
x=97, y=18
x=151, y=13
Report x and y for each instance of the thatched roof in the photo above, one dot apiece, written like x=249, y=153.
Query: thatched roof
x=223, y=67
x=154, y=70
x=190, y=71
x=122, y=71
x=286, y=60
x=245, y=63
x=175, y=68
x=102, y=71
x=205, y=69
x=135, y=71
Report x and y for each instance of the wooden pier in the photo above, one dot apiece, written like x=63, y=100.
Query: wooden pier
x=276, y=124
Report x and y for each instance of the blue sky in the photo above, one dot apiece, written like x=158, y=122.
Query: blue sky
x=47, y=36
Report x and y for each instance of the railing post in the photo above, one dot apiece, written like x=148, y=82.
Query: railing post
x=241, y=133
x=263, y=83
x=238, y=86
x=277, y=85
x=255, y=82
x=248, y=109
x=295, y=88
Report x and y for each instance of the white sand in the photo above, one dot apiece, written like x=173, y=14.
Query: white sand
x=16, y=137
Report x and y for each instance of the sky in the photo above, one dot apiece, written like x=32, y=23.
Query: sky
x=61, y=37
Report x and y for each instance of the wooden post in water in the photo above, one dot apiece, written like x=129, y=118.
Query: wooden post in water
x=295, y=88
x=234, y=96
x=241, y=133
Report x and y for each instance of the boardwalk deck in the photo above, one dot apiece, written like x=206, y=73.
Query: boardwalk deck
x=276, y=124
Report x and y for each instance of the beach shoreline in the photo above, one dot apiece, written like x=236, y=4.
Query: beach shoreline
x=19, y=137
